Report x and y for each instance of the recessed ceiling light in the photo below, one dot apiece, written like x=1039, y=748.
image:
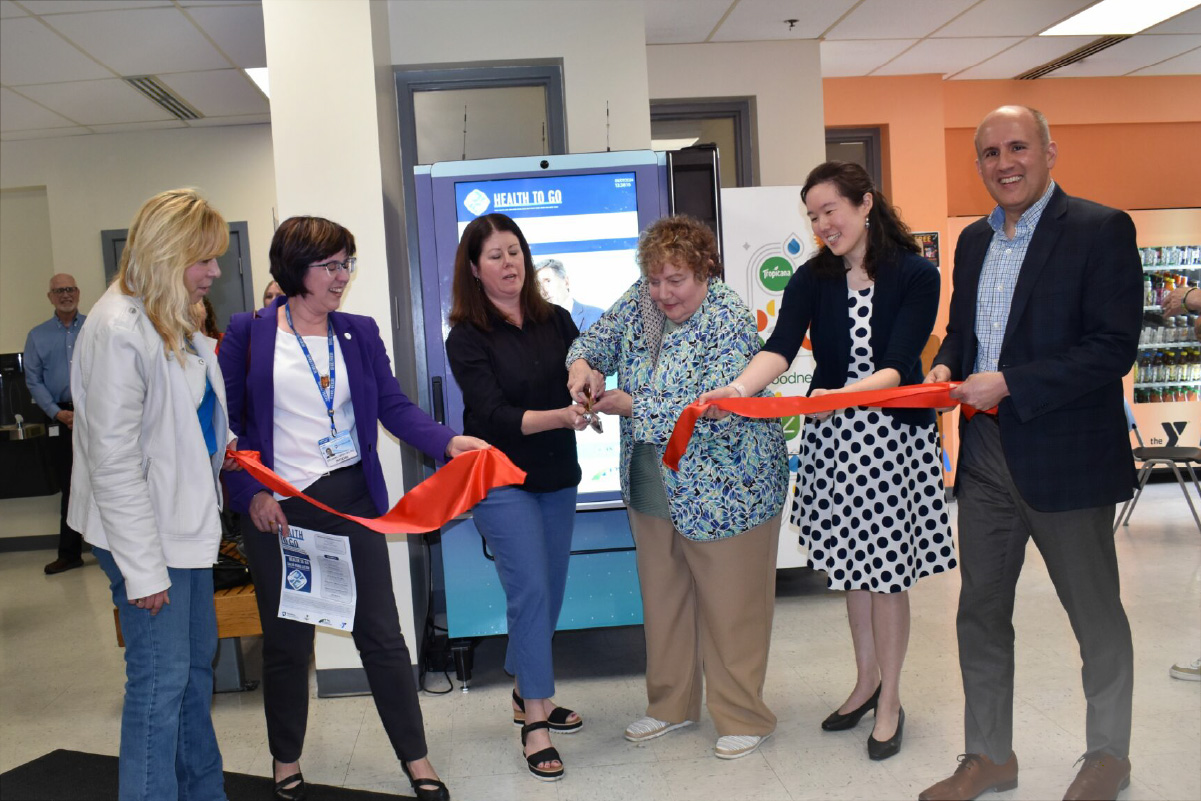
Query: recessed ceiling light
x=259, y=76
x=1119, y=16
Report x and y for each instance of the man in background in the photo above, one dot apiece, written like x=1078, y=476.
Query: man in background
x=552, y=280
x=48, y=351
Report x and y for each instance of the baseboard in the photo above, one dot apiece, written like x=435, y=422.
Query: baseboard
x=35, y=542
x=341, y=682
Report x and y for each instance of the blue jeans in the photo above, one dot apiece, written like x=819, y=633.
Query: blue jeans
x=529, y=534
x=168, y=746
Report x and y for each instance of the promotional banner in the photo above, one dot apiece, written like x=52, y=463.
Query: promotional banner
x=767, y=237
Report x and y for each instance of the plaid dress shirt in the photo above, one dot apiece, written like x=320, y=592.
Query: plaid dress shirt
x=999, y=277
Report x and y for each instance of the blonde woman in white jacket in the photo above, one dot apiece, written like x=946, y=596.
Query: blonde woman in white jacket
x=149, y=440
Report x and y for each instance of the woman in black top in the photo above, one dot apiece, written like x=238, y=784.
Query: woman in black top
x=507, y=350
x=869, y=497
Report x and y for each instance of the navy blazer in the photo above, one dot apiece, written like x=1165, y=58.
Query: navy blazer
x=904, y=308
x=249, y=345
x=1072, y=335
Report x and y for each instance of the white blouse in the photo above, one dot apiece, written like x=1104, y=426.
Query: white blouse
x=301, y=418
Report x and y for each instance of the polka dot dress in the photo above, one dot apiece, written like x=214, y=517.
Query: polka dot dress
x=869, y=497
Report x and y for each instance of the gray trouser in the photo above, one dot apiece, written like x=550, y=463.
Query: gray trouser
x=1078, y=548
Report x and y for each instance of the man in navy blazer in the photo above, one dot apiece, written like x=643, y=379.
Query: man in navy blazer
x=1044, y=324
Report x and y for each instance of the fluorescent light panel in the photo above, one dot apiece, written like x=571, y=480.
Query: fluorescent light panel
x=259, y=76
x=1119, y=16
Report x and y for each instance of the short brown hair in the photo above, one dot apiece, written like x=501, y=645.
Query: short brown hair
x=681, y=239
x=300, y=241
x=469, y=304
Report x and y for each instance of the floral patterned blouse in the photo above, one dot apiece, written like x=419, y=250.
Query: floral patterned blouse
x=735, y=473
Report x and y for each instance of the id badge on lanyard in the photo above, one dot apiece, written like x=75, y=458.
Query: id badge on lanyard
x=337, y=448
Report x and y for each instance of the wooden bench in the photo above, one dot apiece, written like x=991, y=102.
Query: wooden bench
x=237, y=617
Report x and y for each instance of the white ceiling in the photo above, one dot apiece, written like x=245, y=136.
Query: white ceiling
x=61, y=61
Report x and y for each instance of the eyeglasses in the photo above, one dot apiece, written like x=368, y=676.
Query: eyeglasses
x=332, y=267
x=63, y=291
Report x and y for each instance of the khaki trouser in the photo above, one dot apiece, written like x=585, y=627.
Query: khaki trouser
x=707, y=610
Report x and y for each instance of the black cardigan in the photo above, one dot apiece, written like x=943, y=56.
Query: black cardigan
x=904, y=308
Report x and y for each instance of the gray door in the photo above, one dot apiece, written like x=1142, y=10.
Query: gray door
x=233, y=292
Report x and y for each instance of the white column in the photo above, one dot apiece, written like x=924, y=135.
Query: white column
x=322, y=63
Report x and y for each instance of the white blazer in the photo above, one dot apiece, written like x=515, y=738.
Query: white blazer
x=142, y=485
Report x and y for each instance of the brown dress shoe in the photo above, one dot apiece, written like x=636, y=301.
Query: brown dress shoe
x=1101, y=778
x=975, y=774
x=62, y=565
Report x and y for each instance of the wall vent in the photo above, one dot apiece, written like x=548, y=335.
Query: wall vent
x=161, y=96
x=1079, y=54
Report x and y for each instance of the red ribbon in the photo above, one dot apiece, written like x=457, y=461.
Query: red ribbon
x=454, y=489
x=913, y=396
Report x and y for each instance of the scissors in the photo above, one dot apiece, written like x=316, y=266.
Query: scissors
x=591, y=417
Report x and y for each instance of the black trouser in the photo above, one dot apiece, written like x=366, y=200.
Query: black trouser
x=70, y=543
x=288, y=644
x=1078, y=549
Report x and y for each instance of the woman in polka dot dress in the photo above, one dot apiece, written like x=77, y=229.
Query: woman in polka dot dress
x=869, y=498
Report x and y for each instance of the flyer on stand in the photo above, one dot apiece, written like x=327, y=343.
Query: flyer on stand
x=318, y=579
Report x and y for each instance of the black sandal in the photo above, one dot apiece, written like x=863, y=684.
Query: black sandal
x=545, y=755
x=557, y=719
x=426, y=789
x=289, y=788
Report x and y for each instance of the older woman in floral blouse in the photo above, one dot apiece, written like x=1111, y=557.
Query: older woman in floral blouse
x=706, y=535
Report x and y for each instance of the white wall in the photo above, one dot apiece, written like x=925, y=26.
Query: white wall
x=26, y=264
x=98, y=182
x=602, y=45
x=783, y=77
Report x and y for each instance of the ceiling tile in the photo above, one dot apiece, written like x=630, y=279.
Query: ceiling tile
x=1188, y=22
x=1184, y=64
x=10, y=9
x=32, y=53
x=138, y=126
x=77, y=6
x=43, y=133
x=676, y=22
x=237, y=30
x=219, y=93
x=20, y=113
x=912, y=19
x=246, y=119
x=193, y=3
x=850, y=59
x=1130, y=55
x=1012, y=17
x=945, y=56
x=152, y=41
x=759, y=20
x=1025, y=55
x=97, y=102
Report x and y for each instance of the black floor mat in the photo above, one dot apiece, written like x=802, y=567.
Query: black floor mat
x=76, y=776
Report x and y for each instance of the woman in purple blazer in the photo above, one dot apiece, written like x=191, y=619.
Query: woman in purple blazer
x=307, y=386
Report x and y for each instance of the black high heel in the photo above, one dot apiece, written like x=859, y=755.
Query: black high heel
x=426, y=789
x=285, y=789
x=545, y=755
x=840, y=722
x=891, y=747
x=559, y=717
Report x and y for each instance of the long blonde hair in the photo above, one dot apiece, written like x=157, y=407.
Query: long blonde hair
x=171, y=232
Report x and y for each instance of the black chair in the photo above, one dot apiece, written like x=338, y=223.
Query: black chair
x=1146, y=458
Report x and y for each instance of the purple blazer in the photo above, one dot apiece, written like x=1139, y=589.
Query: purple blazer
x=249, y=345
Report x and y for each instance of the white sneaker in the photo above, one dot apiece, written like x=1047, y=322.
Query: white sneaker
x=1186, y=672
x=649, y=728
x=733, y=746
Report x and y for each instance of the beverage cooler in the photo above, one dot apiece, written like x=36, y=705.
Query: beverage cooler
x=1167, y=374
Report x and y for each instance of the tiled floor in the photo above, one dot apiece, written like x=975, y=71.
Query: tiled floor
x=61, y=678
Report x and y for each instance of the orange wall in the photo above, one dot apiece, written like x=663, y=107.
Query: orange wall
x=1125, y=165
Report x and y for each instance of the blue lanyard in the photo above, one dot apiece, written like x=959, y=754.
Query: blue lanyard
x=322, y=388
